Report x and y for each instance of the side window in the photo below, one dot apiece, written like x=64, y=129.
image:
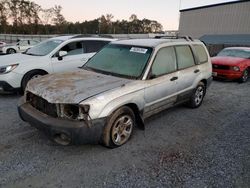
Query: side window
x=23, y=43
x=165, y=62
x=33, y=42
x=201, y=53
x=74, y=48
x=185, y=57
x=94, y=46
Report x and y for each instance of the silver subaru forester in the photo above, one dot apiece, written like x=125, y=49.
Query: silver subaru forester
x=124, y=83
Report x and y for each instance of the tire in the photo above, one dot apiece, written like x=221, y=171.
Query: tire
x=11, y=51
x=244, y=77
x=197, y=96
x=30, y=75
x=119, y=128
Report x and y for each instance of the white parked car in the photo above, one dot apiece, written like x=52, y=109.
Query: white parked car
x=20, y=46
x=58, y=54
x=2, y=44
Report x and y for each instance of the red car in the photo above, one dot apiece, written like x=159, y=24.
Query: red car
x=232, y=63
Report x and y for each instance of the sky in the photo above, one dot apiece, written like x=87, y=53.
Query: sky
x=164, y=11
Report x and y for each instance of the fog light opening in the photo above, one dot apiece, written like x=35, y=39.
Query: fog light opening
x=62, y=139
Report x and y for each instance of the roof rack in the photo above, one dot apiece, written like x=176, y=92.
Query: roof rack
x=89, y=35
x=187, y=38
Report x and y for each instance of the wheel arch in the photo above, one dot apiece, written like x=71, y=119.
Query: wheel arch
x=30, y=71
x=138, y=113
x=204, y=81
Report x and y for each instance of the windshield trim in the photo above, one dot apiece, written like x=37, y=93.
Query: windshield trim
x=121, y=75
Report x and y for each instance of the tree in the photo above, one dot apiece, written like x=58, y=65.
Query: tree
x=59, y=18
x=27, y=17
x=3, y=16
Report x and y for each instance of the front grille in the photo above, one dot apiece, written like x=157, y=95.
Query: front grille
x=42, y=105
x=223, y=67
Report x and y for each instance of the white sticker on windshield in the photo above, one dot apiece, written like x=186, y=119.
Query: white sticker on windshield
x=139, y=50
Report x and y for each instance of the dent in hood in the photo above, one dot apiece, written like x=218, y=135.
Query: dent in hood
x=73, y=87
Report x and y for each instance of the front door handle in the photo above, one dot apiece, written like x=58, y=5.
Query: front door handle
x=174, y=78
x=196, y=71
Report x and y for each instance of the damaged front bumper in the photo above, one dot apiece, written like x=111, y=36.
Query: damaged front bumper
x=62, y=131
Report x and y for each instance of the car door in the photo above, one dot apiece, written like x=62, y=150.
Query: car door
x=23, y=45
x=188, y=70
x=160, y=90
x=78, y=53
x=75, y=57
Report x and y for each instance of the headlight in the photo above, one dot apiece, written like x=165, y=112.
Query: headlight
x=73, y=112
x=235, y=68
x=7, y=69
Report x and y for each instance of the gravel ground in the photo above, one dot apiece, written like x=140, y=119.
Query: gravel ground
x=181, y=147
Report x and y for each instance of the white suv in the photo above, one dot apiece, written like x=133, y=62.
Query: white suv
x=21, y=46
x=58, y=54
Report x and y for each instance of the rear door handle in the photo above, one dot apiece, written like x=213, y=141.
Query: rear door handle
x=174, y=78
x=196, y=71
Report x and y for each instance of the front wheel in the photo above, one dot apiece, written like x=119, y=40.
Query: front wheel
x=29, y=76
x=244, y=76
x=119, y=128
x=11, y=51
x=197, y=96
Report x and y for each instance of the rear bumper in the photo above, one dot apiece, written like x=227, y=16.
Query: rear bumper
x=78, y=131
x=227, y=74
x=209, y=81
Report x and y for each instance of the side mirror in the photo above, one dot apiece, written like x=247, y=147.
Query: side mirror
x=61, y=54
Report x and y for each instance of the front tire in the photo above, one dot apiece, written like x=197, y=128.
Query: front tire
x=29, y=76
x=244, y=77
x=119, y=128
x=197, y=96
x=11, y=51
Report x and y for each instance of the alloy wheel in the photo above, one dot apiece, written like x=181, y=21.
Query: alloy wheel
x=199, y=94
x=122, y=130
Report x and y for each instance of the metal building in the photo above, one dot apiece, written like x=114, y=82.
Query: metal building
x=218, y=19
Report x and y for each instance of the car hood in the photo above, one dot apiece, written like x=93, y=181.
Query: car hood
x=230, y=61
x=73, y=87
x=15, y=59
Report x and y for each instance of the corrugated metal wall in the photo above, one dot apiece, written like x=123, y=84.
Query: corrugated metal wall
x=223, y=19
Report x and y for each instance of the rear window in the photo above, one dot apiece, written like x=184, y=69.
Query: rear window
x=185, y=57
x=201, y=54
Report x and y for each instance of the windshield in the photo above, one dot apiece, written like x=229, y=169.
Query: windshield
x=235, y=53
x=120, y=60
x=43, y=48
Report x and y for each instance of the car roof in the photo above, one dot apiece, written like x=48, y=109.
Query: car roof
x=75, y=37
x=151, y=42
x=239, y=48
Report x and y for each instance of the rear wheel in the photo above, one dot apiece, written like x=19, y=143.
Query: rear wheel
x=244, y=76
x=11, y=51
x=119, y=128
x=197, y=96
